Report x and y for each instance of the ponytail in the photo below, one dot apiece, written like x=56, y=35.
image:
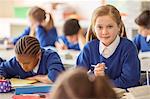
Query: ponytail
x=90, y=34
x=50, y=22
x=122, y=32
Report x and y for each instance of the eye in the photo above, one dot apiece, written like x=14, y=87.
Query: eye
x=110, y=26
x=99, y=27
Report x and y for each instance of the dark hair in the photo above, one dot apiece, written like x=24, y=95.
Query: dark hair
x=144, y=19
x=71, y=27
x=27, y=45
x=76, y=84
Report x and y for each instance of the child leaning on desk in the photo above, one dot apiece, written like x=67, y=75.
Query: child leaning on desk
x=32, y=62
x=41, y=26
x=142, y=40
x=73, y=37
x=111, y=54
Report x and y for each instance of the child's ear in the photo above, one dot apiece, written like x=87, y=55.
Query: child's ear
x=39, y=54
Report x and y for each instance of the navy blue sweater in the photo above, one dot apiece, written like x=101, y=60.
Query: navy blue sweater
x=50, y=64
x=123, y=65
x=141, y=43
x=45, y=38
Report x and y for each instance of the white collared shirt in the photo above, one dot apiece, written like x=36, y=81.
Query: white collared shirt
x=148, y=38
x=107, y=51
x=35, y=70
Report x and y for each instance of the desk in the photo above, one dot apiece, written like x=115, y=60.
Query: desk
x=10, y=94
x=140, y=92
x=145, y=60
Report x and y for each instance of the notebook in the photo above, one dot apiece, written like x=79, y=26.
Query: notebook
x=15, y=82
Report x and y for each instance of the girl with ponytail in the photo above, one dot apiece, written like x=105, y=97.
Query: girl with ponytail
x=41, y=26
x=110, y=53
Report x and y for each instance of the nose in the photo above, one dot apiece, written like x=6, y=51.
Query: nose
x=104, y=31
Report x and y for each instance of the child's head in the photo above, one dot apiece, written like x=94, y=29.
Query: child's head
x=38, y=15
x=71, y=29
x=28, y=52
x=143, y=21
x=76, y=84
x=106, y=24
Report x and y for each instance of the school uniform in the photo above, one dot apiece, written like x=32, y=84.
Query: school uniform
x=45, y=38
x=123, y=66
x=50, y=64
x=142, y=43
x=69, y=44
x=2, y=60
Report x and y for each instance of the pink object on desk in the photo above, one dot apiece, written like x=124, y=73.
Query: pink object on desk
x=5, y=86
x=31, y=96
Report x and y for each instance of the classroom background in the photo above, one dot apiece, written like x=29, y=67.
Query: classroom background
x=13, y=20
x=13, y=13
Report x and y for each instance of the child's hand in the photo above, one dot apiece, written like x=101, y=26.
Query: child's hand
x=60, y=46
x=41, y=78
x=99, y=69
x=32, y=78
x=2, y=77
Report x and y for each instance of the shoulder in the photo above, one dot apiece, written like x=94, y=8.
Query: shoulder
x=127, y=44
x=92, y=45
x=48, y=53
x=94, y=42
x=10, y=63
x=138, y=37
x=53, y=29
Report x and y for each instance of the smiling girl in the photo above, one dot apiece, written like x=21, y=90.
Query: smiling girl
x=112, y=55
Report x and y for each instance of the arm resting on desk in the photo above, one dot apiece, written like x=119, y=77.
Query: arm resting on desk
x=41, y=78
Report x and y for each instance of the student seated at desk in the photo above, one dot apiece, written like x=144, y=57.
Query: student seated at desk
x=77, y=84
x=32, y=62
x=142, y=40
x=110, y=54
x=73, y=37
x=41, y=26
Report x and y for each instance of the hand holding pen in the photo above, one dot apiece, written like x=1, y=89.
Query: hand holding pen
x=99, y=69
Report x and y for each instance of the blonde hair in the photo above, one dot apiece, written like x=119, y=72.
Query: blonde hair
x=76, y=84
x=102, y=11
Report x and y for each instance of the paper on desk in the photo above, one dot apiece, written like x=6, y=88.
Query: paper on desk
x=21, y=82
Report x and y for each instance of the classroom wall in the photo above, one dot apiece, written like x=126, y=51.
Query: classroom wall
x=83, y=7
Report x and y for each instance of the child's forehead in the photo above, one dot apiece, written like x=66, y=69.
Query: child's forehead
x=105, y=19
x=25, y=56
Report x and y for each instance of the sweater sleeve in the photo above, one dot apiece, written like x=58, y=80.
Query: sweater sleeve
x=130, y=74
x=8, y=68
x=83, y=59
x=136, y=41
x=55, y=66
x=46, y=38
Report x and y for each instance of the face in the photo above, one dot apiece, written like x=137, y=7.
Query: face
x=27, y=62
x=73, y=38
x=144, y=31
x=106, y=29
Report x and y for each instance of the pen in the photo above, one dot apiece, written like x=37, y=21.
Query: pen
x=95, y=66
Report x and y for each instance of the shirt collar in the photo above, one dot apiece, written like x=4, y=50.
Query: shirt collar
x=148, y=38
x=111, y=48
x=35, y=70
